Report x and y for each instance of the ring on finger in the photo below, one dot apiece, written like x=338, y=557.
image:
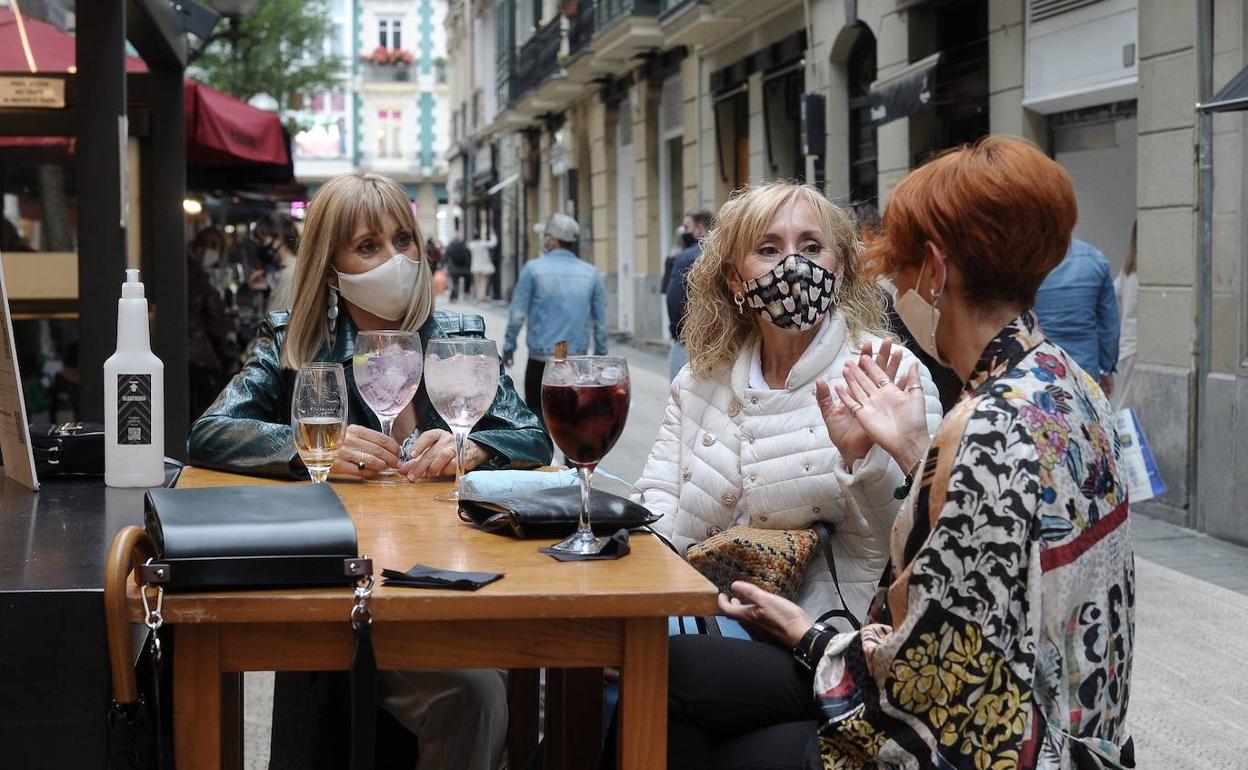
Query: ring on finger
x=914, y=387
x=855, y=408
x=361, y=464
x=882, y=382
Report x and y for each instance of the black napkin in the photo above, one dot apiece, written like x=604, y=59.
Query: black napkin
x=615, y=548
x=423, y=576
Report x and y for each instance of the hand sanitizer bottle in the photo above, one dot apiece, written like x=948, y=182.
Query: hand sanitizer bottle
x=134, y=398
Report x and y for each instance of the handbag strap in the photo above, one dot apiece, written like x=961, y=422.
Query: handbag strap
x=363, y=679
x=824, y=531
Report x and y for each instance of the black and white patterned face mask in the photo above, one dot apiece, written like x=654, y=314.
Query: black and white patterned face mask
x=793, y=295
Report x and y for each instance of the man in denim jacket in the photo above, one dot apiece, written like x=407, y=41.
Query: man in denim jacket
x=1078, y=311
x=560, y=295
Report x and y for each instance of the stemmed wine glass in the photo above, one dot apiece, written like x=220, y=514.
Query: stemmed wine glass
x=387, y=367
x=585, y=403
x=461, y=377
x=318, y=416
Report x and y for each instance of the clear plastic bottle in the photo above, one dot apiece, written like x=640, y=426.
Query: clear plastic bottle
x=134, y=398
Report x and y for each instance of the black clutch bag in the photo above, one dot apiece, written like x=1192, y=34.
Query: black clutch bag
x=67, y=449
x=553, y=512
x=251, y=537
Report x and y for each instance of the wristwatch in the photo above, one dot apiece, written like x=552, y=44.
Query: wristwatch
x=809, y=649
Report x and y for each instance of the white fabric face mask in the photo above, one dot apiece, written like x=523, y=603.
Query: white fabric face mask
x=211, y=258
x=386, y=290
x=921, y=317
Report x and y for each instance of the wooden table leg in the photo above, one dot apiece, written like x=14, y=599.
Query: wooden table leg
x=197, y=697
x=643, y=695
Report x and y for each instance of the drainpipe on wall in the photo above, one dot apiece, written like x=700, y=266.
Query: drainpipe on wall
x=1204, y=256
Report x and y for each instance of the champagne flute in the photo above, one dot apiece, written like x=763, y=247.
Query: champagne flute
x=585, y=403
x=461, y=377
x=387, y=367
x=318, y=416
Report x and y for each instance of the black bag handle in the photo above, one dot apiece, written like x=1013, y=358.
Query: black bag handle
x=824, y=531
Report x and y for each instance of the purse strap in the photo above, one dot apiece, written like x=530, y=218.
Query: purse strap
x=363, y=679
x=824, y=531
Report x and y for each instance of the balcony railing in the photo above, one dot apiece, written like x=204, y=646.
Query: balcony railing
x=608, y=13
x=581, y=27
x=387, y=73
x=539, y=57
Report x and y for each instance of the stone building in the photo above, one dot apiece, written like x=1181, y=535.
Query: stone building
x=625, y=113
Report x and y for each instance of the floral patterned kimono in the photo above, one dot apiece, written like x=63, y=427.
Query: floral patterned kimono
x=1013, y=607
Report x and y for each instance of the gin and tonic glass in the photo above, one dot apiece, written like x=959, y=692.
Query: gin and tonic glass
x=387, y=367
x=461, y=378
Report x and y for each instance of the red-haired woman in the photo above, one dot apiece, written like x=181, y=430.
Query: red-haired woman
x=1012, y=608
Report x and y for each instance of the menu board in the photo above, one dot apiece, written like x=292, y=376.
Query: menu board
x=19, y=460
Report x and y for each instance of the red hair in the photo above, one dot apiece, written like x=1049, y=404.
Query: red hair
x=1000, y=209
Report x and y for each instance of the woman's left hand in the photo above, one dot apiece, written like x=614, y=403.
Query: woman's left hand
x=433, y=454
x=774, y=615
x=848, y=436
x=894, y=415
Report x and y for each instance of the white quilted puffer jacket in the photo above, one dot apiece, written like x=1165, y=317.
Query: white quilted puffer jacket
x=730, y=454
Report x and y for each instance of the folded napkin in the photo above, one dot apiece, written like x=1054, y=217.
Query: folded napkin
x=615, y=548
x=487, y=484
x=424, y=576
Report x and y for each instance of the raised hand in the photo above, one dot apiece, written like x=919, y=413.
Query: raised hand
x=847, y=435
x=892, y=414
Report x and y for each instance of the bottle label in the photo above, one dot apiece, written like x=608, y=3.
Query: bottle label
x=134, y=409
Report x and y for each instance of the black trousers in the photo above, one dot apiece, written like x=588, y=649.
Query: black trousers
x=533, y=386
x=739, y=704
x=455, y=279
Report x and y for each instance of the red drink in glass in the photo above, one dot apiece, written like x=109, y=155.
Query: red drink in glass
x=585, y=421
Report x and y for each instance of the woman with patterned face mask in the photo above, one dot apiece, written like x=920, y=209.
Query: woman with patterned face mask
x=778, y=301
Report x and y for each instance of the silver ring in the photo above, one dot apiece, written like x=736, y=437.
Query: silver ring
x=882, y=382
x=855, y=408
x=361, y=464
x=914, y=387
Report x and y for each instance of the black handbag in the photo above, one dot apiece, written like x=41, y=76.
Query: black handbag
x=67, y=449
x=547, y=513
x=249, y=537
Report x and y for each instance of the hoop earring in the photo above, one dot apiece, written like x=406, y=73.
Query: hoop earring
x=739, y=298
x=332, y=313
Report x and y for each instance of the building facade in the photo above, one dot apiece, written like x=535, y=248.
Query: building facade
x=389, y=113
x=625, y=113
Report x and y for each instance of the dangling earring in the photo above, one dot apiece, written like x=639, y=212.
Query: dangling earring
x=332, y=313
x=739, y=298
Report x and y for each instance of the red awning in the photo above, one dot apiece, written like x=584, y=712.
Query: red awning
x=52, y=50
x=221, y=130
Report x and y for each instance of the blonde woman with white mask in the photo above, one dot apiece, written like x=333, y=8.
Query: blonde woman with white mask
x=777, y=302
x=361, y=266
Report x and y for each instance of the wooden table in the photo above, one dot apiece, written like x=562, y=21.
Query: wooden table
x=543, y=614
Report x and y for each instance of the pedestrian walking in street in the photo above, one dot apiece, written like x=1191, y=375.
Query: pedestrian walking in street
x=458, y=261
x=1078, y=312
x=562, y=298
x=482, y=264
x=1127, y=292
x=1007, y=636
x=695, y=224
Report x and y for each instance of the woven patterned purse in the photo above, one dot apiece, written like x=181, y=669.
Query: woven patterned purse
x=772, y=559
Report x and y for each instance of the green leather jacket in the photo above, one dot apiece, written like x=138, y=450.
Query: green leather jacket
x=247, y=429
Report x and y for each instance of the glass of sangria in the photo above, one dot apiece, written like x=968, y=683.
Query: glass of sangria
x=585, y=403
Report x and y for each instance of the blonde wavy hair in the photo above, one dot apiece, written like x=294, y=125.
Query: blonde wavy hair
x=714, y=331
x=335, y=213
